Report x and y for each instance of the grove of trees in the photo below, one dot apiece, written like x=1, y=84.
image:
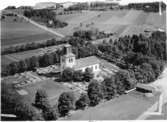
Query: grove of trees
x=70, y=75
x=46, y=16
x=32, y=46
x=148, y=7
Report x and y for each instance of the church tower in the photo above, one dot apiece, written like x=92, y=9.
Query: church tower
x=160, y=8
x=69, y=59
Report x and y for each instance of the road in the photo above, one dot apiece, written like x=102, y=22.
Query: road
x=38, y=25
x=161, y=85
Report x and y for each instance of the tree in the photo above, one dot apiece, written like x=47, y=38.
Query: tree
x=34, y=62
x=67, y=75
x=147, y=72
x=82, y=102
x=14, y=68
x=9, y=97
x=123, y=81
x=50, y=114
x=41, y=99
x=88, y=75
x=95, y=93
x=109, y=88
x=77, y=76
x=10, y=7
x=156, y=66
x=24, y=111
x=66, y=103
x=23, y=66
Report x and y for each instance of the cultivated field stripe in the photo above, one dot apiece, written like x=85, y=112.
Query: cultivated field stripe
x=40, y=26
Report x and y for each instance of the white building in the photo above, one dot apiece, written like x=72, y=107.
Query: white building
x=68, y=4
x=69, y=60
x=45, y=5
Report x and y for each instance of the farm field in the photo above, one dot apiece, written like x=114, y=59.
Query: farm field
x=121, y=22
x=21, y=31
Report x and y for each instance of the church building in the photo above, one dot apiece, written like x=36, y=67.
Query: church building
x=69, y=60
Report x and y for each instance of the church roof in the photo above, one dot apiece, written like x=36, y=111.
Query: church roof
x=69, y=55
x=85, y=62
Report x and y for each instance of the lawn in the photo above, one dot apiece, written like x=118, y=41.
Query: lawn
x=52, y=88
x=125, y=107
x=21, y=31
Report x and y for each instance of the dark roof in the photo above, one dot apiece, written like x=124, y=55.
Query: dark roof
x=69, y=55
x=145, y=86
x=85, y=62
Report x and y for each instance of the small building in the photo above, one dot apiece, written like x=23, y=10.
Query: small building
x=144, y=88
x=69, y=60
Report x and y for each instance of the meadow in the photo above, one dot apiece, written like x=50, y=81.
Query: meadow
x=121, y=22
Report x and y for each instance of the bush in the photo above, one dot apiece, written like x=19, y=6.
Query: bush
x=66, y=103
x=82, y=102
x=95, y=93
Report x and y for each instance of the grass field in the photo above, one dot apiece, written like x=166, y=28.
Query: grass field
x=122, y=22
x=21, y=31
x=52, y=88
x=125, y=107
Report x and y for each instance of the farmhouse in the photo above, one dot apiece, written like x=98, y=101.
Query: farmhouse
x=69, y=60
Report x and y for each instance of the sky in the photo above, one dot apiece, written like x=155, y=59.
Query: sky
x=17, y=3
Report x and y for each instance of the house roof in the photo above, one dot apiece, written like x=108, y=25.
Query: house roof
x=69, y=55
x=85, y=62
